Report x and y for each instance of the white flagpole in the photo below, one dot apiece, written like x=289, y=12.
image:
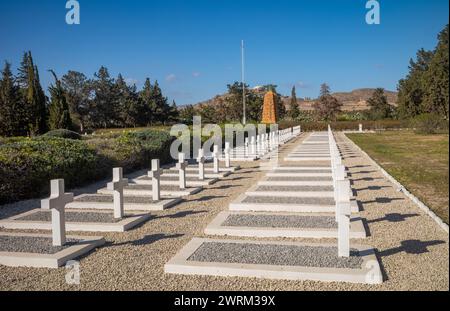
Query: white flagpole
x=244, y=119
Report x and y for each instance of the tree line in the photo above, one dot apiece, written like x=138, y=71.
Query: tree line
x=426, y=87
x=76, y=102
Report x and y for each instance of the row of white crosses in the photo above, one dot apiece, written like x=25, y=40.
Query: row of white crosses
x=342, y=197
x=58, y=200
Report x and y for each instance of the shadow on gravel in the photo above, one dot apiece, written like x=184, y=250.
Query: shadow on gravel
x=206, y=198
x=394, y=217
x=383, y=200
x=414, y=247
x=373, y=188
x=359, y=166
x=182, y=214
x=224, y=187
x=148, y=239
x=367, y=179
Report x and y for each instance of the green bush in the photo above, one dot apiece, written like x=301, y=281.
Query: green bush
x=28, y=164
x=429, y=123
x=63, y=134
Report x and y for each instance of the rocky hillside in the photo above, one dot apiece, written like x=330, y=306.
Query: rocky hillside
x=355, y=100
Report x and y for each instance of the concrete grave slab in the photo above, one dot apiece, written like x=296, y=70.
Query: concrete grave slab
x=37, y=251
x=144, y=188
x=286, y=204
x=288, y=225
x=131, y=203
x=76, y=220
x=291, y=191
x=275, y=260
x=174, y=181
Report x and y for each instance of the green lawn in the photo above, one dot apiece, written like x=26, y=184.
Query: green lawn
x=419, y=162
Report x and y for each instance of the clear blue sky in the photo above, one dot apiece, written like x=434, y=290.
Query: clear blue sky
x=192, y=47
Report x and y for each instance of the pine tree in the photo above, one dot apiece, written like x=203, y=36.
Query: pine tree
x=146, y=96
x=411, y=90
x=436, y=83
x=13, y=116
x=77, y=88
x=294, y=111
x=379, y=106
x=327, y=106
x=33, y=94
x=105, y=100
x=59, y=117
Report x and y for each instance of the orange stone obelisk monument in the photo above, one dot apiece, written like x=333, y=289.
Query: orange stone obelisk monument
x=269, y=115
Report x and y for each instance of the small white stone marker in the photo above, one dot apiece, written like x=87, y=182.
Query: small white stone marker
x=155, y=175
x=360, y=128
x=246, y=147
x=56, y=204
x=201, y=164
x=227, y=155
x=216, y=159
x=117, y=185
x=181, y=166
x=344, y=213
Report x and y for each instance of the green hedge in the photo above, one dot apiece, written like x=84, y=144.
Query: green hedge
x=63, y=134
x=28, y=164
x=346, y=125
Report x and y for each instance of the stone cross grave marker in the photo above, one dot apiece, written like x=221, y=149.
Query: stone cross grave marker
x=252, y=146
x=181, y=166
x=56, y=203
x=227, y=155
x=201, y=164
x=155, y=175
x=344, y=212
x=117, y=185
x=216, y=159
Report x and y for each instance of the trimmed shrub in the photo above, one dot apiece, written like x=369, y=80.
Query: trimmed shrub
x=429, y=123
x=63, y=134
x=28, y=165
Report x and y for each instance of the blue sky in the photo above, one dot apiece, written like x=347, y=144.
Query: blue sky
x=192, y=47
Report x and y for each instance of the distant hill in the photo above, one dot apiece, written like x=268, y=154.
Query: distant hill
x=355, y=100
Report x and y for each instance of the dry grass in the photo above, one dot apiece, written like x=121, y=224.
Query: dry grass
x=419, y=162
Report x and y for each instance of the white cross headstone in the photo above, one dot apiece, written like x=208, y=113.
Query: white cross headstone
x=201, y=164
x=181, y=166
x=227, y=155
x=155, y=175
x=252, y=146
x=216, y=159
x=56, y=203
x=360, y=128
x=343, y=210
x=117, y=185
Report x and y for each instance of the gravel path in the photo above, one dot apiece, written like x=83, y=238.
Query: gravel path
x=24, y=244
x=413, y=250
x=280, y=221
x=272, y=254
x=93, y=217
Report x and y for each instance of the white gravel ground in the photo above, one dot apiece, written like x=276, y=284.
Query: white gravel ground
x=413, y=250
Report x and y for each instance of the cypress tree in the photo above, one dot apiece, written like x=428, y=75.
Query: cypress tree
x=294, y=111
x=33, y=95
x=146, y=96
x=59, y=117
